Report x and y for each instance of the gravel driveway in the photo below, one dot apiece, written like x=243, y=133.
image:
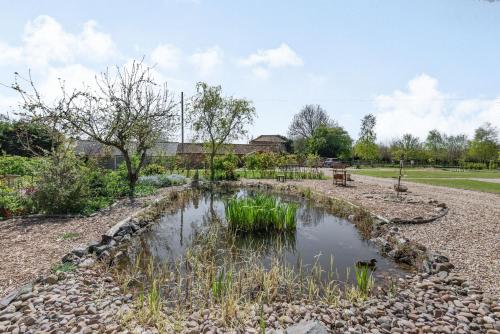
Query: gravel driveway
x=469, y=234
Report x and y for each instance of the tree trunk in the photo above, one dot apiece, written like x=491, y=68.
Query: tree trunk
x=131, y=175
x=131, y=186
x=212, y=167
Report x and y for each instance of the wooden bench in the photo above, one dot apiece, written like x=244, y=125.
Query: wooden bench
x=280, y=178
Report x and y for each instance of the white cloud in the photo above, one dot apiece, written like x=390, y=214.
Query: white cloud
x=45, y=41
x=94, y=44
x=424, y=107
x=280, y=57
x=207, y=61
x=167, y=56
x=263, y=60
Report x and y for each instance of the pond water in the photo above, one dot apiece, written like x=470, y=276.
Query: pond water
x=320, y=237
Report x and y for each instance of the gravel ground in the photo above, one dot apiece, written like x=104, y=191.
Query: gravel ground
x=469, y=234
x=31, y=246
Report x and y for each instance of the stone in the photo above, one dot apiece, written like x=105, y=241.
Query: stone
x=447, y=266
x=87, y=263
x=307, y=327
x=437, y=258
x=286, y=319
x=80, y=251
x=28, y=320
x=52, y=279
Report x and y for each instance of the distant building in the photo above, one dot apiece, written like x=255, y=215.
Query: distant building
x=278, y=141
x=193, y=153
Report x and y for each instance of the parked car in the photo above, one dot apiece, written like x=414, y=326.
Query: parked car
x=329, y=162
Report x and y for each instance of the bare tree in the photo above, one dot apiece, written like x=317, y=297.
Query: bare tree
x=126, y=110
x=308, y=120
x=217, y=119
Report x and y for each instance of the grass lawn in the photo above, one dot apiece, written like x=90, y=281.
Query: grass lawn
x=489, y=187
x=440, y=177
x=427, y=173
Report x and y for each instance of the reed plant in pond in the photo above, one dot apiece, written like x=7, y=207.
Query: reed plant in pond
x=364, y=279
x=262, y=213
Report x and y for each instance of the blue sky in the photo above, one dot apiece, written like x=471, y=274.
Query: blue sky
x=417, y=65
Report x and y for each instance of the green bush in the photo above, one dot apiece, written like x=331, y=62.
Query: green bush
x=63, y=186
x=10, y=202
x=474, y=165
x=142, y=190
x=225, y=167
x=16, y=165
x=154, y=169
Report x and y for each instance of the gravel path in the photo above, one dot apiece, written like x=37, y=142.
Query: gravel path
x=31, y=246
x=469, y=234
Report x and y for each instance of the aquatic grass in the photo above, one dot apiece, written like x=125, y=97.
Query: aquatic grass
x=216, y=274
x=364, y=279
x=261, y=213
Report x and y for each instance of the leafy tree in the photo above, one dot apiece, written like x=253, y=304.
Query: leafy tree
x=484, y=147
x=127, y=110
x=486, y=132
x=25, y=138
x=308, y=120
x=435, y=144
x=368, y=128
x=455, y=147
x=384, y=152
x=406, y=148
x=330, y=142
x=365, y=147
x=217, y=119
x=300, y=146
x=366, y=150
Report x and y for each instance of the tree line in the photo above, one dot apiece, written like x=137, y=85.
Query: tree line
x=314, y=132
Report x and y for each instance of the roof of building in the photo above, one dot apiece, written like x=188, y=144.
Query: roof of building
x=270, y=139
x=91, y=147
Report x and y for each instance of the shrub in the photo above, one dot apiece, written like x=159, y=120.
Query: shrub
x=176, y=179
x=154, y=181
x=10, y=202
x=116, y=185
x=63, y=186
x=162, y=180
x=225, y=167
x=474, y=165
x=153, y=169
x=16, y=165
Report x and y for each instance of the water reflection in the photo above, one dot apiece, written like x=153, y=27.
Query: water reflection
x=320, y=238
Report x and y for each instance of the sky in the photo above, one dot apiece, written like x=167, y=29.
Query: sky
x=415, y=65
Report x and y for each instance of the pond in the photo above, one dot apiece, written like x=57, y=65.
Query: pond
x=320, y=240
